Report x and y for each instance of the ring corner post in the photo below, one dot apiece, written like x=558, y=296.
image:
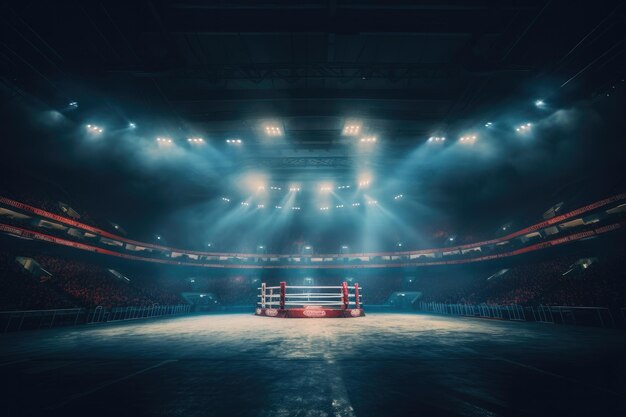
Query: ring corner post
x=263, y=289
x=345, y=295
x=356, y=296
x=283, y=294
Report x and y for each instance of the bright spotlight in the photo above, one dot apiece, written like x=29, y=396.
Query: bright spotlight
x=278, y=207
x=488, y=124
x=372, y=202
x=368, y=139
x=93, y=129
x=326, y=188
x=436, y=139
x=468, y=139
x=226, y=199
x=195, y=140
x=398, y=197
x=244, y=203
x=351, y=129
x=73, y=104
x=273, y=130
x=339, y=206
x=234, y=141
x=356, y=204
x=540, y=103
x=523, y=128
x=260, y=206
x=294, y=189
x=325, y=208
x=275, y=188
x=163, y=140
x=131, y=125
x=295, y=208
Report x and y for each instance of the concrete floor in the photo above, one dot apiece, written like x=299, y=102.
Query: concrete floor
x=379, y=365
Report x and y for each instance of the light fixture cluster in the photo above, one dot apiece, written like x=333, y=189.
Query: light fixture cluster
x=244, y=203
x=294, y=189
x=368, y=139
x=234, y=141
x=164, y=140
x=295, y=208
x=226, y=199
x=195, y=140
x=342, y=187
x=275, y=188
x=273, y=130
x=351, y=129
x=398, y=197
x=468, y=139
x=523, y=128
x=326, y=188
x=364, y=183
x=260, y=206
x=325, y=208
x=372, y=202
x=94, y=129
x=339, y=206
x=356, y=204
x=436, y=139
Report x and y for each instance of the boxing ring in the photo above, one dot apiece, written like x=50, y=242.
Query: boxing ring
x=304, y=301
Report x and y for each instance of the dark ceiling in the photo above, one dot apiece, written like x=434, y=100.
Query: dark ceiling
x=406, y=68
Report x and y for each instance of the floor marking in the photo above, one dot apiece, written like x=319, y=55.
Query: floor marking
x=108, y=384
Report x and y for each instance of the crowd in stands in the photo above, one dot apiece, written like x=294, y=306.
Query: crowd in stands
x=73, y=284
x=561, y=281
x=20, y=290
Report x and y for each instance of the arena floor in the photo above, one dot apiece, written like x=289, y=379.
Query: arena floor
x=379, y=365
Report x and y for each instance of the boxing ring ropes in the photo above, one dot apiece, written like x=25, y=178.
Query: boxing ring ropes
x=335, y=302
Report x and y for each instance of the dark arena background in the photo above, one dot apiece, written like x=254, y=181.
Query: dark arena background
x=308, y=208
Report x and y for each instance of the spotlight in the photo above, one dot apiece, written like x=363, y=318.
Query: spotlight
x=488, y=124
x=372, y=202
x=243, y=203
x=294, y=189
x=436, y=139
x=368, y=139
x=324, y=208
x=399, y=245
x=226, y=199
x=295, y=208
x=73, y=104
x=326, y=188
x=94, y=129
x=364, y=183
x=278, y=207
x=523, y=128
x=164, y=140
x=351, y=129
x=195, y=140
x=131, y=125
x=398, y=197
x=540, y=103
x=339, y=206
x=275, y=188
x=356, y=204
x=273, y=130
x=234, y=141
x=260, y=206
x=468, y=139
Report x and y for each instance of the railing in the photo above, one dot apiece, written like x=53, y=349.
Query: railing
x=586, y=316
x=39, y=319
